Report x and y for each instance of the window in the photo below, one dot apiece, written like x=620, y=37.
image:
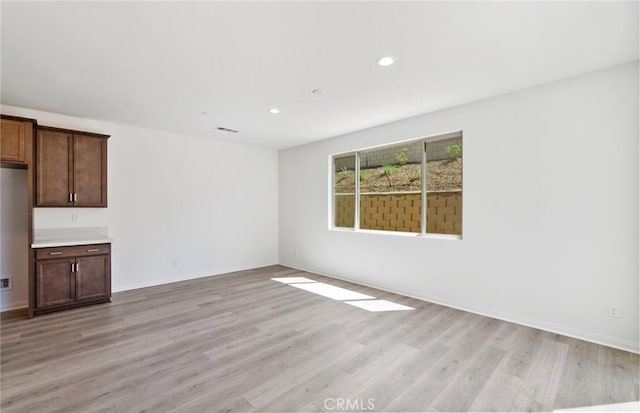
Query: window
x=411, y=187
x=344, y=190
x=390, y=188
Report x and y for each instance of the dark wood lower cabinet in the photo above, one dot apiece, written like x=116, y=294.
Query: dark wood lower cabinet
x=56, y=283
x=68, y=277
x=91, y=277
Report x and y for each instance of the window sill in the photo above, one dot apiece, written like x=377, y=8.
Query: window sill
x=398, y=233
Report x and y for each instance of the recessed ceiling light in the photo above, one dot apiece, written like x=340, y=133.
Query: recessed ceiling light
x=274, y=111
x=386, y=61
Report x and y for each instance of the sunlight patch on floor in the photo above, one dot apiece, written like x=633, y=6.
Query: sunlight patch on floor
x=365, y=302
x=291, y=280
x=333, y=292
x=379, y=305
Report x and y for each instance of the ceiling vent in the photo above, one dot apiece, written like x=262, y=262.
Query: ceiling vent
x=220, y=128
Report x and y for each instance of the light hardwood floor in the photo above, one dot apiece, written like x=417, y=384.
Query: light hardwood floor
x=242, y=342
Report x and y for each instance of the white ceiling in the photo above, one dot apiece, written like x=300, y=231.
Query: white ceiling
x=160, y=65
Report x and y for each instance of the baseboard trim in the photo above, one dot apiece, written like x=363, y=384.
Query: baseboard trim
x=187, y=278
x=579, y=334
x=15, y=306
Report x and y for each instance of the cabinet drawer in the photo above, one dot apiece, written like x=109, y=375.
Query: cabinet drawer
x=74, y=251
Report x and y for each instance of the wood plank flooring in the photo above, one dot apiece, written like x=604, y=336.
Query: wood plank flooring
x=242, y=342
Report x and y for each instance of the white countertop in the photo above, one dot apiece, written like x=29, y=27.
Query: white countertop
x=63, y=237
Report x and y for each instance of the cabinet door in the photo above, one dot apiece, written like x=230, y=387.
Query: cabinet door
x=13, y=141
x=55, y=283
x=54, y=169
x=90, y=171
x=93, y=277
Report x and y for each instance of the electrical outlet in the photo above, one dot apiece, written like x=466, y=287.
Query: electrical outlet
x=74, y=217
x=5, y=283
x=614, y=311
x=174, y=262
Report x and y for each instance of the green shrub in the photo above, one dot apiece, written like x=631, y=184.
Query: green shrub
x=344, y=172
x=454, y=151
x=402, y=158
x=387, y=171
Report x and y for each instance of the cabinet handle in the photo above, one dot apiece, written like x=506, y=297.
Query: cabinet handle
x=70, y=197
x=55, y=253
x=77, y=266
x=93, y=250
x=75, y=197
x=73, y=267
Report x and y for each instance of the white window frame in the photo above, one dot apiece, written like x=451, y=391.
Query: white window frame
x=423, y=190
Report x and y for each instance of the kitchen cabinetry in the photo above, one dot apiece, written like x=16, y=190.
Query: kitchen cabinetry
x=16, y=152
x=71, y=168
x=16, y=137
x=68, y=277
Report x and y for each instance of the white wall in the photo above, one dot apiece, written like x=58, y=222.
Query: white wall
x=550, y=204
x=179, y=206
x=14, y=257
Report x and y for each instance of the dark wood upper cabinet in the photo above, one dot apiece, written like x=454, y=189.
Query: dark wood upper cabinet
x=54, y=160
x=16, y=135
x=71, y=168
x=90, y=170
